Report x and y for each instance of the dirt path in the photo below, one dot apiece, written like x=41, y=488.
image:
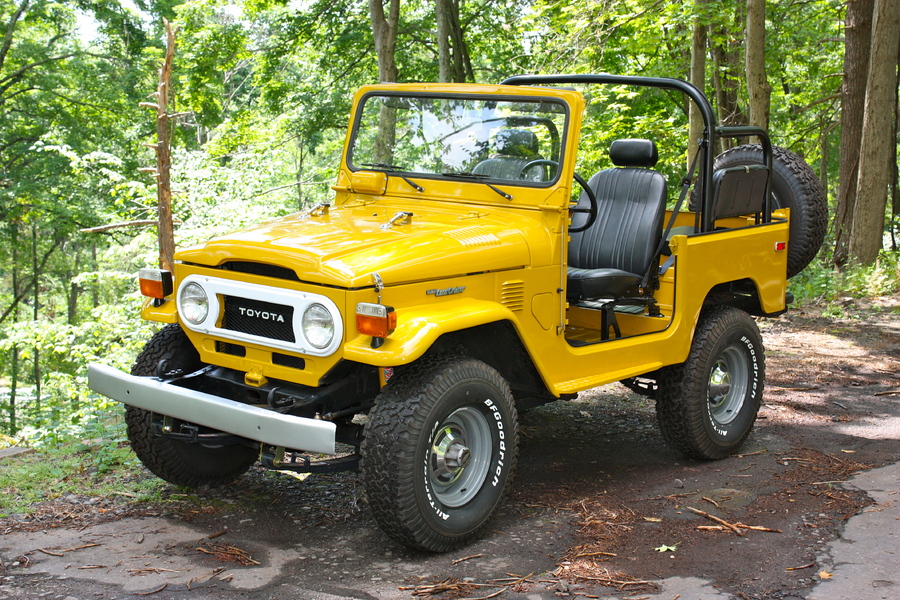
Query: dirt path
x=597, y=496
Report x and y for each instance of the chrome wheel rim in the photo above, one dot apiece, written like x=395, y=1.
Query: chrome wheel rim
x=459, y=456
x=727, y=387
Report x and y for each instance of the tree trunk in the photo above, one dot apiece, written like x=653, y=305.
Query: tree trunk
x=866, y=235
x=727, y=74
x=454, y=64
x=165, y=229
x=36, y=289
x=462, y=63
x=445, y=58
x=74, y=288
x=698, y=78
x=857, y=46
x=895, y=170
x=95, y=287
x=384, y=30
x=755, y=59
x=14, y=366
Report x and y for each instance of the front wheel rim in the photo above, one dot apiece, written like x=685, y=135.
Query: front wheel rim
x=459, y=456
x=727, y=387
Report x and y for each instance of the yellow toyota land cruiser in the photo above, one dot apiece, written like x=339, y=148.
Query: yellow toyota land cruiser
x=463, y=272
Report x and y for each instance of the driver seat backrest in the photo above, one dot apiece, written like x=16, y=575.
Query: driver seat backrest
x=608, y=261
x=512, y=150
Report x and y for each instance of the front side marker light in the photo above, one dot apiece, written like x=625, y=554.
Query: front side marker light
x=376, y=320
x=155, y=283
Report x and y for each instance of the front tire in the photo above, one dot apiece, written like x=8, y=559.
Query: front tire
x=181, y=463
x=707, y=405
x=439, y=451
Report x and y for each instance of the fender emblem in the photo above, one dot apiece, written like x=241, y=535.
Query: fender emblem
x=446, y=291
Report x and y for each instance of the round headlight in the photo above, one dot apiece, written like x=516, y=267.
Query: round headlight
x=194, y=303
x=318, y=326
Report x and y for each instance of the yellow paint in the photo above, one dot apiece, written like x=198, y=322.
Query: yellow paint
x=469, y=257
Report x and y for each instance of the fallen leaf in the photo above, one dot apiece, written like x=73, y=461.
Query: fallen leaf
x=665, y=548
x=824, y=575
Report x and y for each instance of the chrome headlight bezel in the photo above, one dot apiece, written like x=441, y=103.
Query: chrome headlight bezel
x=193, y=303
x=318, y=325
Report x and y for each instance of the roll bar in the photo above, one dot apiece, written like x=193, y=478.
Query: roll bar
x=710, y=130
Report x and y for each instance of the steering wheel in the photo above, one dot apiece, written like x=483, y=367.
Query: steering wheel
x=538, y=163
x=591, y=210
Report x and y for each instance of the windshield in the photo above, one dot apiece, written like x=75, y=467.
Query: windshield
x=505, y=140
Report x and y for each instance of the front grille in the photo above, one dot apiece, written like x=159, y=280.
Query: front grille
x=255, y=317
x=286, y=360
x=232, y=349
x=252, y=268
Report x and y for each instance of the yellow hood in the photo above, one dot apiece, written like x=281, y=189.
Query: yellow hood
x=344, y=247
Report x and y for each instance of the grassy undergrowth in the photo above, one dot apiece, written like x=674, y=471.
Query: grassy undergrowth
x=824, y=286
x=100, y=468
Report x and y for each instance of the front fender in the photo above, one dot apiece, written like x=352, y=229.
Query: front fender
x=419, y=327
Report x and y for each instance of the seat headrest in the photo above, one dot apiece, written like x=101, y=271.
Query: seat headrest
x=634, y=153
x=516, y=142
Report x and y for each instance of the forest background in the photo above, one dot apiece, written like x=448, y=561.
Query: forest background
x=259, y=103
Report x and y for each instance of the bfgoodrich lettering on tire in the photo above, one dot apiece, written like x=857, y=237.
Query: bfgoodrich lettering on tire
x=707, y=405
x=191, y=465
x=439, y=451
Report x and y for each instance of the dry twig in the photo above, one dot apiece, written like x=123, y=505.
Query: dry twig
x=730, y=526
x=159, y=589
x=465, y=558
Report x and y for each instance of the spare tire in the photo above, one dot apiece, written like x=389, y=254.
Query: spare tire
x=794, y=186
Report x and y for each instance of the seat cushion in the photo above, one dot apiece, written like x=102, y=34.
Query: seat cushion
x=586, y=284
x=631, y=207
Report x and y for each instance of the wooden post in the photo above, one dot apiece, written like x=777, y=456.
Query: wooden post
x=163, y=158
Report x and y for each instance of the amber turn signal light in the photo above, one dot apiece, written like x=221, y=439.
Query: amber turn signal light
x=376, y=320
x=155, y=283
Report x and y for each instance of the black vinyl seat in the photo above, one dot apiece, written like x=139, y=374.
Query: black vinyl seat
x=608, y=261
x=512, y=150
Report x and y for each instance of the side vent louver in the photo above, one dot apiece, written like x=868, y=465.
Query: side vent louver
x=512, y=295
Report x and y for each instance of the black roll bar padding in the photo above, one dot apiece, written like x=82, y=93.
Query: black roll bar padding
x=699, y=99
x=747, y=131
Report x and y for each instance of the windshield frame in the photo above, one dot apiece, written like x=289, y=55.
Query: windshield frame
x=558, y=141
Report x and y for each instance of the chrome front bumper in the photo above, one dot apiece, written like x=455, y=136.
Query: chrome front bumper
x=236, y=418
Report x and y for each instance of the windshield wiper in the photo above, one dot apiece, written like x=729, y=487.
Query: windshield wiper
x=388, y=167
x=468, y=175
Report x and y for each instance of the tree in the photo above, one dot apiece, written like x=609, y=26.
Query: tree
x=758, y=86
x=698, y=77
x=875, y=169
x=384, y=30
x=454, y=63
x=857, y=46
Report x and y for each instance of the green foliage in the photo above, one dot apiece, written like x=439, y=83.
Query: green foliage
x=97, y=468
x=823, y=284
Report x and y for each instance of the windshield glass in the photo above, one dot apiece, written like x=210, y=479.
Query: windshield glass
x=465, y=137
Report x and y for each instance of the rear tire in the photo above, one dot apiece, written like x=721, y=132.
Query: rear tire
x=181, y=463
x=707, y=405
x=439, y=452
